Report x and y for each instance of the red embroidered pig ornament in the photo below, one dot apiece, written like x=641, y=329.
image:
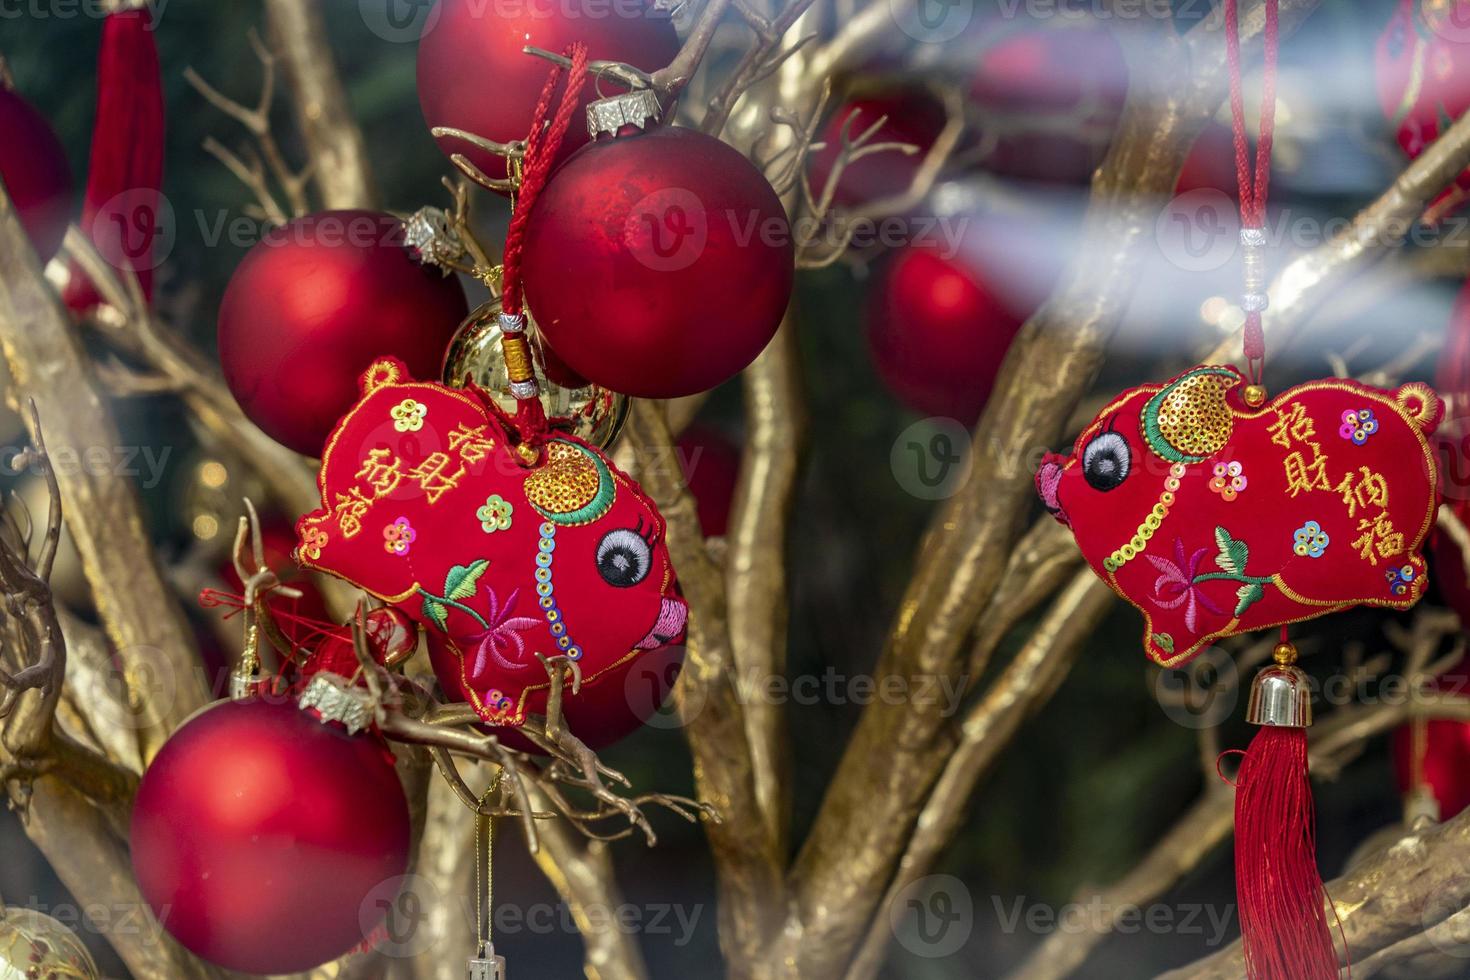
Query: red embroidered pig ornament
x=425, y=505
x=1215, y=518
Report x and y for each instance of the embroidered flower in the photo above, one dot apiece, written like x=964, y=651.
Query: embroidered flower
x=1401, y=579
x=1229, y=480
x=1358, y=426
x=1176, y=584
x=408, y=415
x=398, y=536
x=1310, y=541
x=502, y=636
x=495, y=514
x=313, y=540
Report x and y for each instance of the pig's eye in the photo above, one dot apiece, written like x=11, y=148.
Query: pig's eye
x=1105, y=461
x=622, y=558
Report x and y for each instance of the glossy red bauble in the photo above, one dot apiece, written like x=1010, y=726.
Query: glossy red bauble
x=1047, y=100
x=260, y=836
x=606, y=710
x=914, y=118
x=473, y=74
x=658, y=263
x=313, y=304
x=711, y=466
x=939, y=324
x=35, y=173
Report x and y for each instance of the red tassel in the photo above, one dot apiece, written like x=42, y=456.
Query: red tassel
x=1283, y=922
x=125, y=172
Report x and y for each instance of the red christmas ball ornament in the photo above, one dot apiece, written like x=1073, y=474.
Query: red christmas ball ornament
x=940, y=324
x=658, y=263
x=711, y=466
x=1210, y=163
x=36, y=175
x=1452, y=380
x=474, y=75
x=1422, y=70
x=911, y=117
x=260, y=835
x=313, y=304
x=1443, y=759
x=1048, y=100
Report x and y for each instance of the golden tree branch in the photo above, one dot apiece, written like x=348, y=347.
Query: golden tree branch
x=1027, y=683
x=334, y=142
x=582, y=874
x=746, y=859
x=134, y=601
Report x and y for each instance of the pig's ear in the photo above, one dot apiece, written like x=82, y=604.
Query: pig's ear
x=1190, y=419
x=1424, y=407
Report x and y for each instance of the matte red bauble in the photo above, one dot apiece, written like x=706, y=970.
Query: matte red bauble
x=1446, y=760
x=914, y=118
x=260, y=834
x=35, y=172
x=1210, y=164
x=711, y=466
x=313, y=304
x=658, y=263
x=613, y=706
x=1422, y=67
x=473, y=74
x=1048, y=101
x=939, y=325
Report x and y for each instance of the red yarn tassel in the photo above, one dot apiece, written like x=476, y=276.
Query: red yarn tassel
x=125, y=172
x=1283, y=923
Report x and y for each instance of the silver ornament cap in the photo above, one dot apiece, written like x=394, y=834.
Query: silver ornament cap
x=1280, y=697
x=636, y=108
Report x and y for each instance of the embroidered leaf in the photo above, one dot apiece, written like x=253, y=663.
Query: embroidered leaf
x=1233, y=554
x=461, y=580
x=1165, y=642
x=1249, y=594
x=435, y=610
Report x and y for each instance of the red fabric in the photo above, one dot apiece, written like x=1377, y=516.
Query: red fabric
x=1283, y=920
x=121, y=209
x=1295, y=460
x=426, y=505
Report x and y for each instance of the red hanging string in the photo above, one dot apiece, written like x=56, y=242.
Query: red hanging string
x=1253, y=183
x=541, y=149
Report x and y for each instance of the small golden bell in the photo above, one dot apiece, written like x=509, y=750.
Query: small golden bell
x=1255, y=395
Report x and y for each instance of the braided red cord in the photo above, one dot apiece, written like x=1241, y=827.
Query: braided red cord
x=1253, y=185
x=541, y=147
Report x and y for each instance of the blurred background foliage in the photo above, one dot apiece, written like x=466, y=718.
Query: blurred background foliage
x=1091, y=781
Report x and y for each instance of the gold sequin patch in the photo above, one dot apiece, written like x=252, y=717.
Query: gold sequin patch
x=1194, y=417
x=568, y=481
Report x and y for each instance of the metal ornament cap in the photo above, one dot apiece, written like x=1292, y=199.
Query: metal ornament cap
x=1281, y=697
x=336, y=699
x=636, y=108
